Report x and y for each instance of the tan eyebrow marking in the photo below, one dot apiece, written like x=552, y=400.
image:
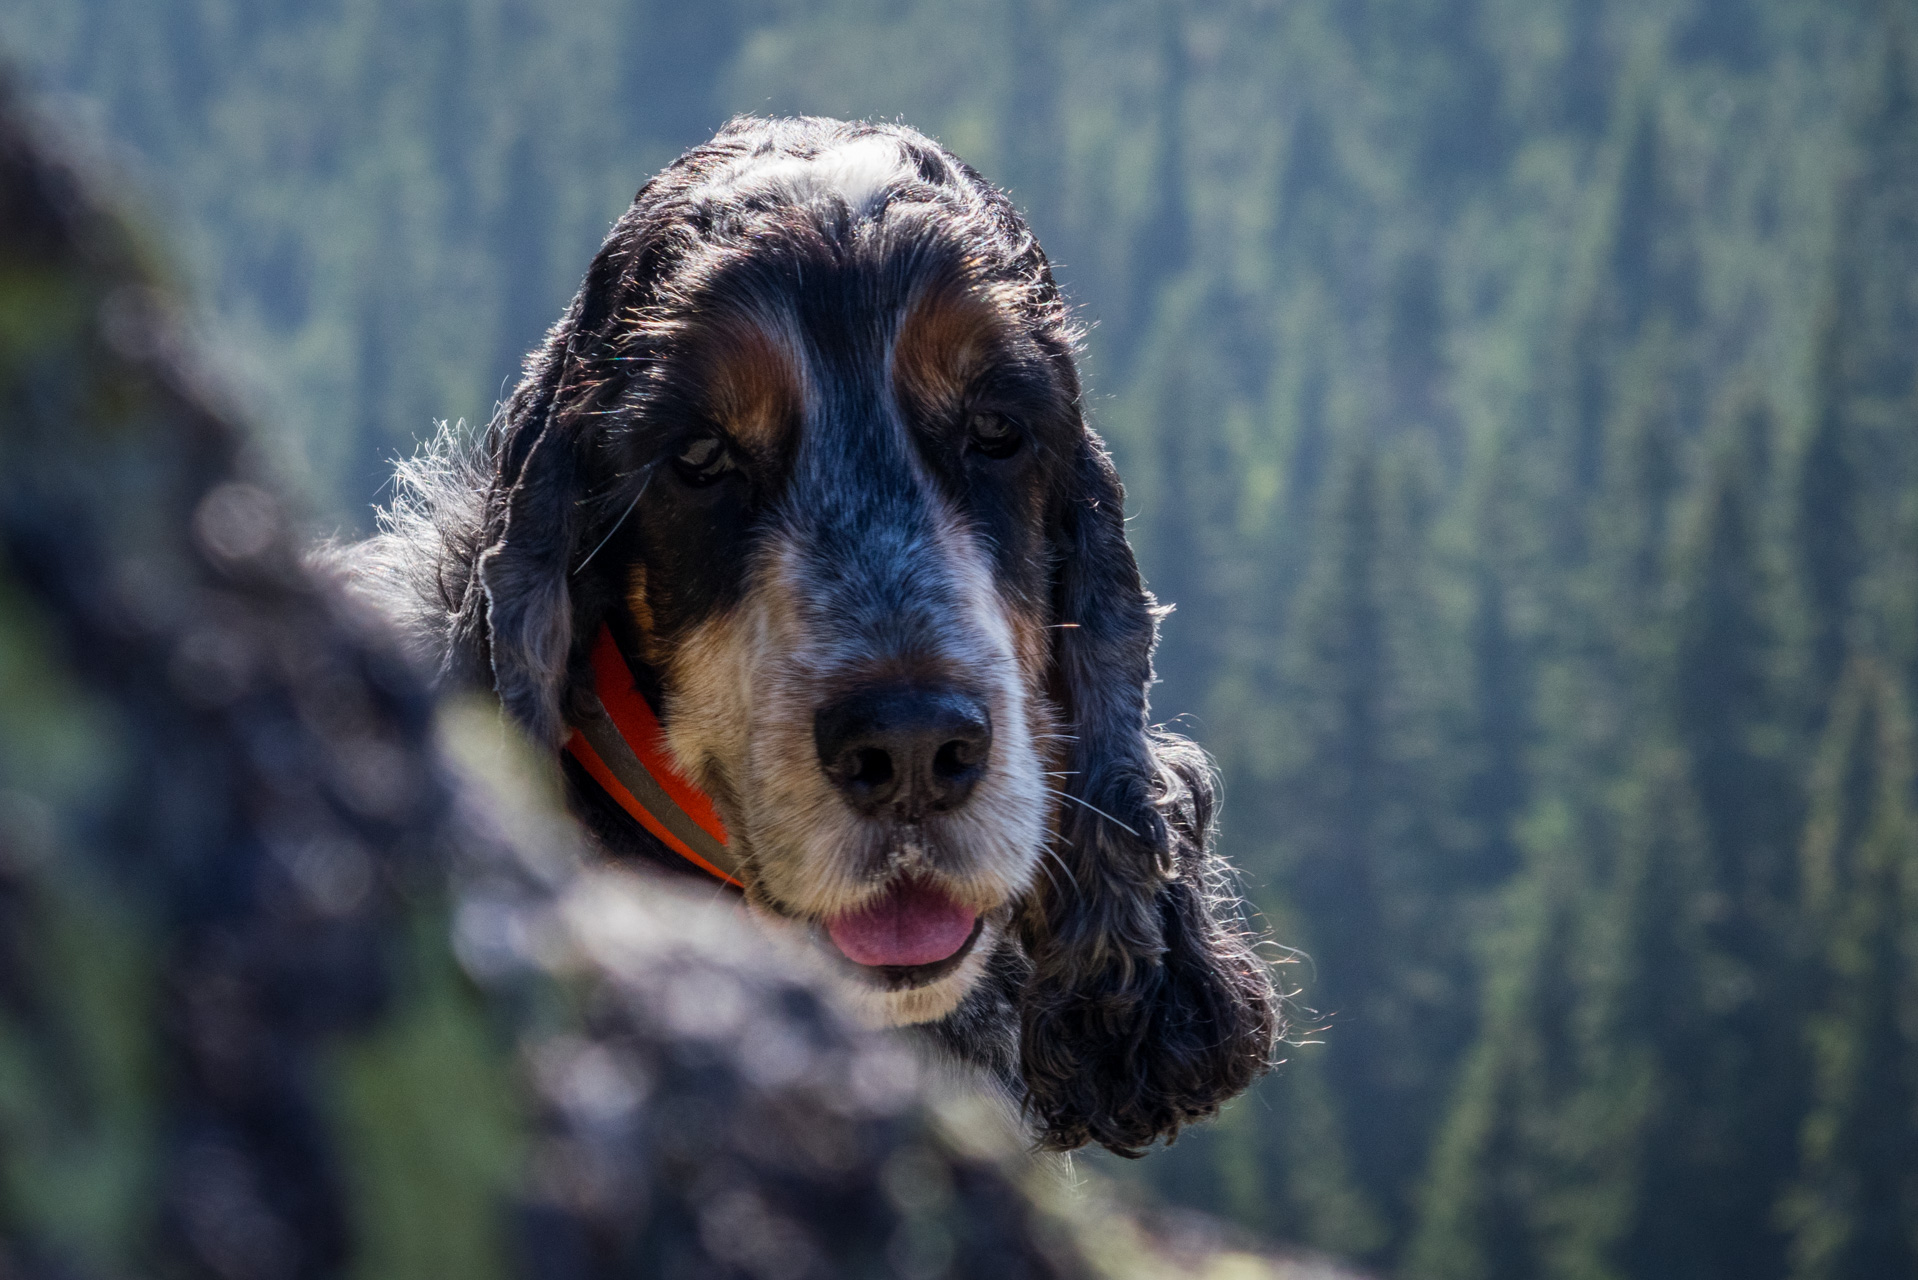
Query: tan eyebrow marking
x=753, y=372
x=946, y=335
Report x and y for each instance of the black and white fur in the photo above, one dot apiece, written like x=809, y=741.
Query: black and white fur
x=813, y=424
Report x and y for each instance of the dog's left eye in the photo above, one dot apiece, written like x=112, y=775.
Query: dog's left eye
x=994, y=434
x=703, y=460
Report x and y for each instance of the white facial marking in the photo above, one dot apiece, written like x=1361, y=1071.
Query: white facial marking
x=745, y=687
x=859, y=172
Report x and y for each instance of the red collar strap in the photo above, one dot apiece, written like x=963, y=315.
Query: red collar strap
x=618, y=740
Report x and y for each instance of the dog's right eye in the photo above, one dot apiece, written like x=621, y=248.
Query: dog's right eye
x=703, y=460
x=994, y=434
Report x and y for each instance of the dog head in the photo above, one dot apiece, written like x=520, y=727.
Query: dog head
x=812, y=432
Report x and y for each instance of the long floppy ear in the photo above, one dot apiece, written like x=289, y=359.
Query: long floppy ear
x=1148, y=1007
x=514, y=628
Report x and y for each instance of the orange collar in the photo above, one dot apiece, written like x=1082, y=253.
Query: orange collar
x=618, y=740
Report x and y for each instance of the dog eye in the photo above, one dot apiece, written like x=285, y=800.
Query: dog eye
x=703, y=460
x=994, y=434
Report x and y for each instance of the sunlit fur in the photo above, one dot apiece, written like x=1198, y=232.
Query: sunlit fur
x=837, y=303
x=743, y=688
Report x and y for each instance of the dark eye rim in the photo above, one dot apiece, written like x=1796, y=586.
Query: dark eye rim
x=698, y=475
x=999, y=445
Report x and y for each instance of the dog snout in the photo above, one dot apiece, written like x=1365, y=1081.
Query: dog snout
x=908, y=751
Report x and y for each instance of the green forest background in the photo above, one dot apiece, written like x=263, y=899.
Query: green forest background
x=1519, y=399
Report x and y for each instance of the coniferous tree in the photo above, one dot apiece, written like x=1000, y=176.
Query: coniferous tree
x=1854, y=1211
x=1162, y=246
x=1589, y=1137
x=1364, y=874
x=1494, y=788
x=1726, y=1061
x=1497, y=1164
x=1651, y=1127
x=1335, y=871
x=1629, y=381
x=1647, y=1120
x=1030, y=124
x=1863, y=444
x=1851, y=1207
x=1830, y=552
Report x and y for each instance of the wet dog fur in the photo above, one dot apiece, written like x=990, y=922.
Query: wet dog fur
x=813, y=425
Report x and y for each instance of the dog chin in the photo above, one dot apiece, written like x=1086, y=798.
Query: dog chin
x=888, y=999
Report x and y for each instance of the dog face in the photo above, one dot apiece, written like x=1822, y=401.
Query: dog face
x=857, y=407
x=812, y=431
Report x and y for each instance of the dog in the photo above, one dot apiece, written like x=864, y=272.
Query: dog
x=795, y=547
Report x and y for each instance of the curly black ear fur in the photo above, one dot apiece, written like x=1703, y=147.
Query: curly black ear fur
x=1148, y=1007
x=514, y=623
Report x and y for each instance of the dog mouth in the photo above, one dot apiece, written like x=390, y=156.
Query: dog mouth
x=910, y=936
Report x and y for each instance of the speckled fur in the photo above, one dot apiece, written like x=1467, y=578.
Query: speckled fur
x=1117, y=990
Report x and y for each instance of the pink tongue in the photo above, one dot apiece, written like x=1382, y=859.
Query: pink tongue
x=913, y=924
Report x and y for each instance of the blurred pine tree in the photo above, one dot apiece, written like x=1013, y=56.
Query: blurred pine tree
x=1854, y=1210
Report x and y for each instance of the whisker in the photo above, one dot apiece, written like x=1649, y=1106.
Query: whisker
x=1050, y=878
x=1047, y=851
x=617, y=523
x=1063, y=795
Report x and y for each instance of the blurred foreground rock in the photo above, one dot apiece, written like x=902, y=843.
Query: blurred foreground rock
x=301, y=974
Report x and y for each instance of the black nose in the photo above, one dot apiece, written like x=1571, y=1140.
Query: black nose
x=909, y=749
